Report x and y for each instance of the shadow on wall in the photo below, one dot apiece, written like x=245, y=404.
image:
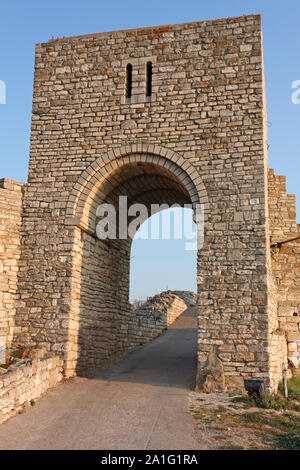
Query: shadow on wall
x=104, y=309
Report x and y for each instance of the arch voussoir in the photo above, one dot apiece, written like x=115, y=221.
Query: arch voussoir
x=85, y=187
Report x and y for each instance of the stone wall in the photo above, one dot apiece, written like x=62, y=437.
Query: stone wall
x=286, y=268
x=10, y=225
x=103, y=303
x=157, y=314
x=282, y=209
x=277, y=339
x=285, y=251
x=25, y=382
x=200, y=138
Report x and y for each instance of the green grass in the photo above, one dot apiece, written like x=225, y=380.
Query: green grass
x=288, y=441
x=281, y=431
x=273, y=430
x=293, y=388
x=246, y=401
x=252, y=418
x=289, y=424
x=271, y=401
x=231, y=447
x=277, y=402
x=286, y=422
x=221, y=438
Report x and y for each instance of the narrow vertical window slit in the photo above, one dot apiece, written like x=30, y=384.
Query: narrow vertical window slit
x=128, y=81
x=149, y=79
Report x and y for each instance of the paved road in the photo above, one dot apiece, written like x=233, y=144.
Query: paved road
x=141, y=402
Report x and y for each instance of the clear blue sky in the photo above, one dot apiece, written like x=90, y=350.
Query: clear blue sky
x=24, y=23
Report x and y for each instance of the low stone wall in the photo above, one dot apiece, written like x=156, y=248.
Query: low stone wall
x=157, y=314
x=25, y=382
x=282, y=208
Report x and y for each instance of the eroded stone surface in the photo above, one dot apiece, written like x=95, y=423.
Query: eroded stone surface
x=211, y=377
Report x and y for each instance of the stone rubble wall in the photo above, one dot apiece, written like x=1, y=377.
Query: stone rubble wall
x=286, y=269
x=294, y=353
x=137, y=326
x=102, y=315
x=189, y=297
x=25, y=382
x=285, y=258
x=10, y=224
x=157, y=314
x=282, y=209
x=277, y=339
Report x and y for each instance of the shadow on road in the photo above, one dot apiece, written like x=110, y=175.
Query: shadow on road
x=168, y=361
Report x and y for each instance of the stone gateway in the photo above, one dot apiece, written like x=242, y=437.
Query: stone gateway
x=170, y=114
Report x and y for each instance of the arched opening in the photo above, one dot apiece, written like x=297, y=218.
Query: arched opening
x=163, y=256
x=107, y=328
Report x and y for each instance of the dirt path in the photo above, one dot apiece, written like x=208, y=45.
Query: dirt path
x=140, y=402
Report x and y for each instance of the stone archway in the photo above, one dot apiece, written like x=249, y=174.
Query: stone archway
x=91, y=178
x=101, y=324
x=213, y=133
